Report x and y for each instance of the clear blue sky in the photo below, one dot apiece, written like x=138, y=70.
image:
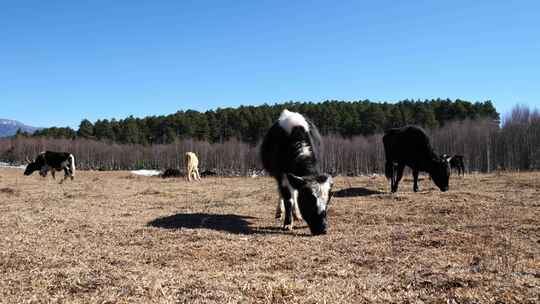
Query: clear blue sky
x=62, y=61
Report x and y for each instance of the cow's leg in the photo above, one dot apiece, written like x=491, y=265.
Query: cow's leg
x=288, y=206
x=399, y=175
x=296, y=211
x=189, y=172
x=43, y=171
x=197, y=175
x=280, y=207
x=66, y=175
x=415, y=179
x=394, y=177
x=53, y=173
x=69, y=173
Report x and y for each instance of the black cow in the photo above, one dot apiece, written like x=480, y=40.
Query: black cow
x=410, y=146
x=207, y=173
x=53, y=161
x=171, y=173
x=290, y=152
x=456, y=162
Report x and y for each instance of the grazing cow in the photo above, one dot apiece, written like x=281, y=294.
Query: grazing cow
x=456, y=162
x=290, y=152
x=53, y=161
x=410, y=146
x=171, y=173
x=207, y=173
x=192, y=166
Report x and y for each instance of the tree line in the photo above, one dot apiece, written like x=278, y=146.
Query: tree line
x=249, y=123
x=485, y=142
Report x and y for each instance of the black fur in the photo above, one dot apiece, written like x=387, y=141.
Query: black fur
x=410, y=146
x=283, y=158
x=457, y=162
x=171, y=173
x=207, y=173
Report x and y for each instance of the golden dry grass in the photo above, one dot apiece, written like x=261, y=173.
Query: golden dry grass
x=116, y=238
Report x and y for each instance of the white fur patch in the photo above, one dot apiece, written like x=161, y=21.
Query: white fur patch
x=325, y=195
x=288, y=120
x=305, y=150
x=294, y=197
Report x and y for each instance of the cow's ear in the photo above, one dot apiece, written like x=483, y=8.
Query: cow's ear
x=296, y=181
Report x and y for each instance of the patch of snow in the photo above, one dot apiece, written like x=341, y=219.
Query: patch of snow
x=11, y=166
x=146, y=172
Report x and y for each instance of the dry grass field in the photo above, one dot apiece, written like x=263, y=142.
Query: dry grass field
x=117, y=238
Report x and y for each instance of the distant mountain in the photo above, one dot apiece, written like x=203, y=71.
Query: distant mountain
x=9, y=127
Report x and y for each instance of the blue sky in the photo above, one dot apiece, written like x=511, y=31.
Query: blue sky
x=62, y=61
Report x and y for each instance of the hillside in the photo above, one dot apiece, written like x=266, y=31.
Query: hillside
x=9, y=127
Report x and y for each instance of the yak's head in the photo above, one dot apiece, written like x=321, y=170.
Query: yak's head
x=31, y=167
x=440, y=173
x=36, y=165
x=314, y=194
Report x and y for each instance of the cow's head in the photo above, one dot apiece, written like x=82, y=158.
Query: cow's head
x=440, y=173
x=35, y=165
x=31, y=167
x=314, y=194
x=446, y=157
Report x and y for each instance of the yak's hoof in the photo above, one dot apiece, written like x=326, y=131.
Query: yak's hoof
x=288, y=227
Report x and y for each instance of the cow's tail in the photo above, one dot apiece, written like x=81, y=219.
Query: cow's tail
x=72, y=165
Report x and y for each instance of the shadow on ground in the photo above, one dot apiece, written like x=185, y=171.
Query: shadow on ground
x=357, y=191
x=231, y=223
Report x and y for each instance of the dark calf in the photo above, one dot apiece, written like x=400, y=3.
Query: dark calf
x=456, y=162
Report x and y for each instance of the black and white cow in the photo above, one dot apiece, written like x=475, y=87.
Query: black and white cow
x=53, y=161
x=410, y=146
x=456, y=162
x=290, y=152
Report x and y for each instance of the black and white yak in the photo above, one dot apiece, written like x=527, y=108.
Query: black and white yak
x=53, y=161
x=290, y=152
x=456, y=162
x=410, y=146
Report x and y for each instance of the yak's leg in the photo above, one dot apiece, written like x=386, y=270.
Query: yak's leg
x=69, y=171
x=280, y=207
x=288, y=204
x=399, y=175
x=415, y=179
x=392, y=177
x=296, y=212
x=189, y=174
x=393, y=185
x=43, y=171
x=66, y=175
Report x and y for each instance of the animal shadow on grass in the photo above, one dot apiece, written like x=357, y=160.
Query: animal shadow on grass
x=231, y=223
x=356, y=191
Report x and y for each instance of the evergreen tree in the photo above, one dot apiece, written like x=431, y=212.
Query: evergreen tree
x=86, y=129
